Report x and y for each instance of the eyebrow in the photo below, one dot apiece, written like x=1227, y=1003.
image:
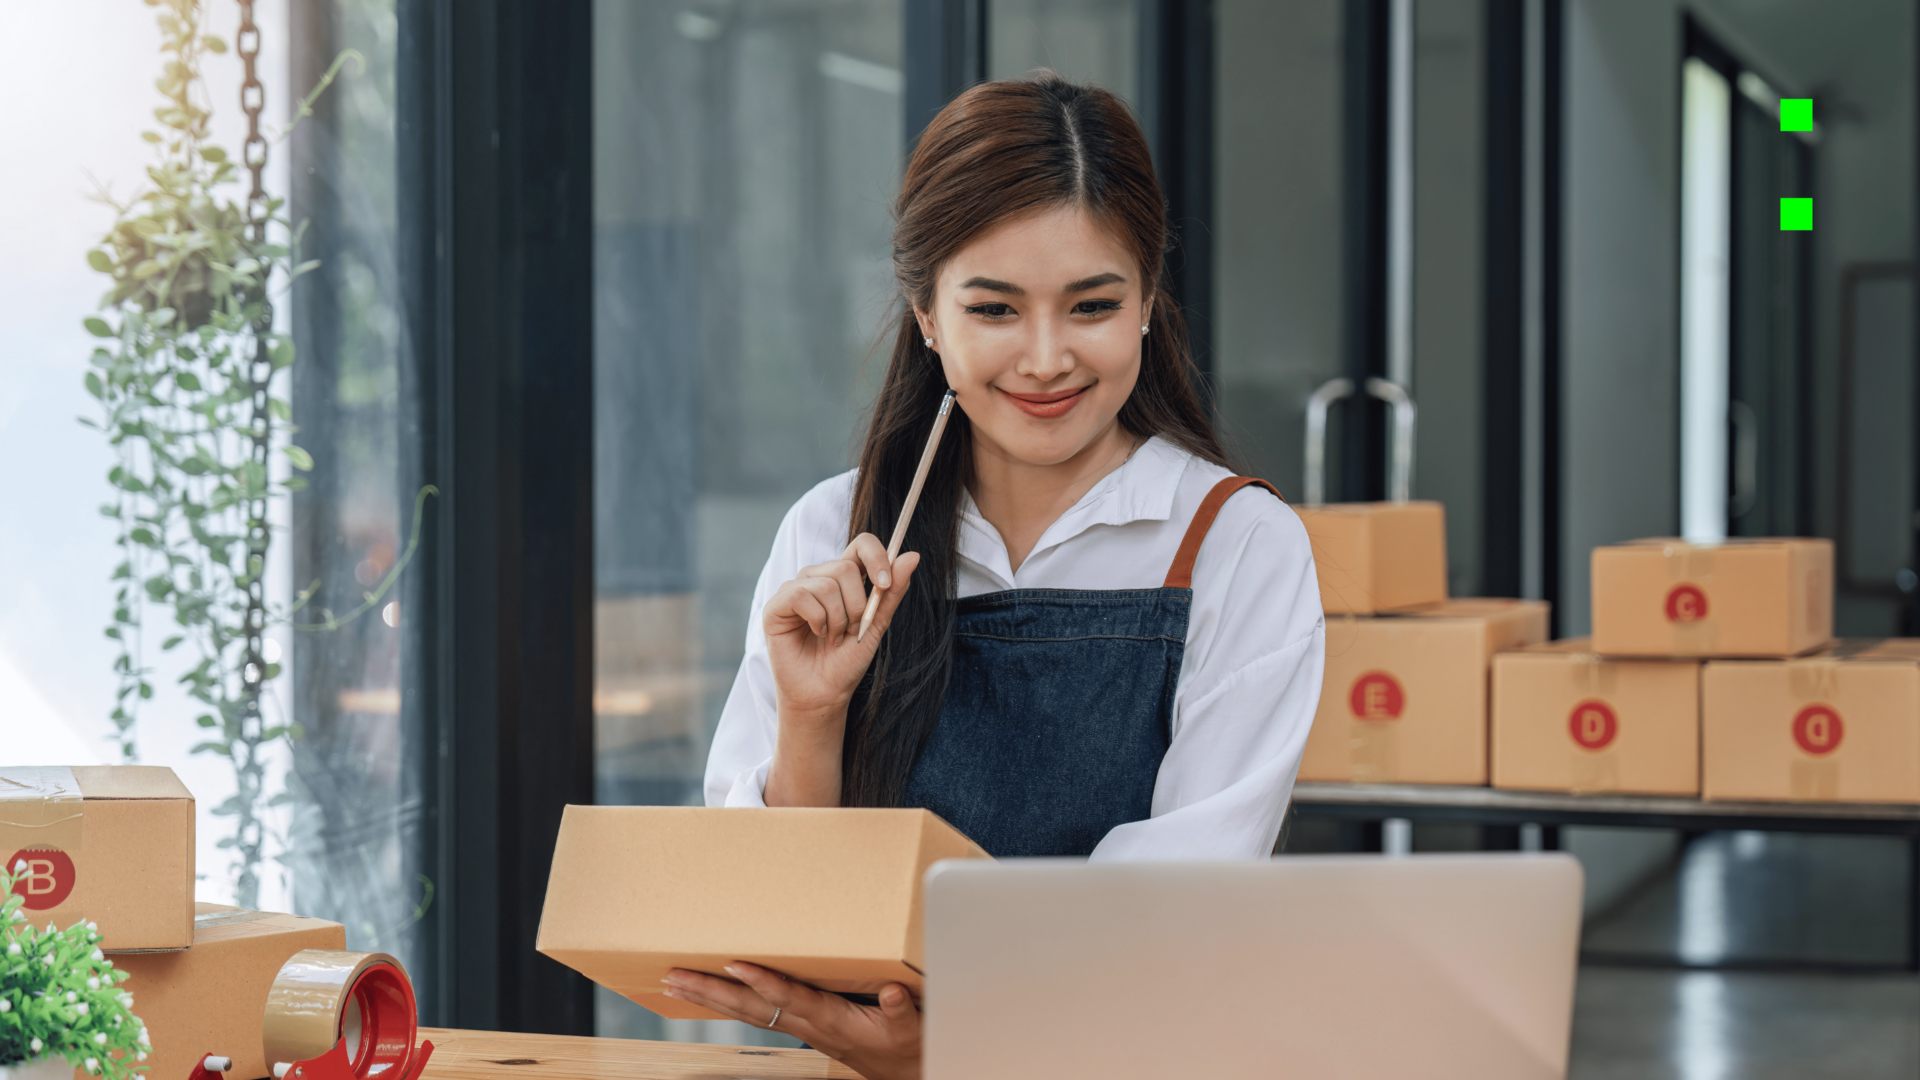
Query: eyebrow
x=1084, y=284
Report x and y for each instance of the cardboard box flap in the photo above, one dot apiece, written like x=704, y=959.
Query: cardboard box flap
x=129, y=782
x=831, y=896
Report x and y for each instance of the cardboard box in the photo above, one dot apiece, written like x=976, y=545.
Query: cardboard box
x=110, y=844
x=1405, y=696
x=830, y=897
x=1842, y=725
x=1566, y=719
x=1740, y=598
x=210, y=999
x=1378, y=556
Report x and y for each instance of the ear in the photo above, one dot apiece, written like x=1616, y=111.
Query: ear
x=925, y=319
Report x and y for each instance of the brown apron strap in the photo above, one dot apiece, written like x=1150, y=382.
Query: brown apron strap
x=1180, y=574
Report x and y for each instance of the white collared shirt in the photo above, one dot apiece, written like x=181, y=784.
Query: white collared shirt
x=1249, y=680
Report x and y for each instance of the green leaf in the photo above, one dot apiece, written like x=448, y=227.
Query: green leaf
x=206, y=720
x=300, y=458
x=213, y=154
x=97, y=326
x=94, y=386
x=213, y=44
x=186, y=380
x=212, y=748
x=171, y=643
x=282, y=352
x=99, y=261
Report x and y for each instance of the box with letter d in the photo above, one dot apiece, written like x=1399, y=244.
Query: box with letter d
x=1840, y=725
x=1565, y=719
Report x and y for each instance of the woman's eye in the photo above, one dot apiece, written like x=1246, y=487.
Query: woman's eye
x=990, y=311
x=1095, y=307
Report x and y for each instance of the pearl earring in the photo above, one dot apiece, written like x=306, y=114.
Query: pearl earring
x=929, y=342
x=1143, y=329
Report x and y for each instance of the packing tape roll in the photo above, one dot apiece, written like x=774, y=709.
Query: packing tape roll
x=322, y=996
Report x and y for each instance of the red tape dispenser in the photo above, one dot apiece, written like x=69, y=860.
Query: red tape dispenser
x=338, y=1016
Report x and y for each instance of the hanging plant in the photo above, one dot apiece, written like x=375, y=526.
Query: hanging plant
x=189, y=373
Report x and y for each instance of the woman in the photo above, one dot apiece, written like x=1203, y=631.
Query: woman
x=1039, y=672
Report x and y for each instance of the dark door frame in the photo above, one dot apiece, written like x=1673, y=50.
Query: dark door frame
x=495, y=154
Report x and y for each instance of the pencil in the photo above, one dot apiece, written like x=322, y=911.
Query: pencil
x=906, y=511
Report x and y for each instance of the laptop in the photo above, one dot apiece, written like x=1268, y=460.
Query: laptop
x=1340, y=967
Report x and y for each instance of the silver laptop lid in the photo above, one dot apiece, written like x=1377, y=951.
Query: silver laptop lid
x=1322, y=967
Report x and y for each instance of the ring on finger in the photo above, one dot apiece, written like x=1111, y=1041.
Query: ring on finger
x=776, y=1018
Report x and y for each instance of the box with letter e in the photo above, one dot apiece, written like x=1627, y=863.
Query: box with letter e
x=107, y=844
x=1404, y=699
x=1842, y=725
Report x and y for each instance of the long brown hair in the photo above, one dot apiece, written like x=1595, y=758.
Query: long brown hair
x=997, y=152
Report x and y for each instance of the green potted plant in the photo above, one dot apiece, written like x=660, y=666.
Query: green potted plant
x=61, y=1006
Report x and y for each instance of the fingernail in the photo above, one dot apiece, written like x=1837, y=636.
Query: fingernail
x=733, y=971
x=884, y=580
x=673, y=994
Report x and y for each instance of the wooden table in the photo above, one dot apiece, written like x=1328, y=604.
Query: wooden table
x=502, y=1055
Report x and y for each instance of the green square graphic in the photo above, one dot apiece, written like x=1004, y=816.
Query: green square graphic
x=1796, y=114
x=1796, y=215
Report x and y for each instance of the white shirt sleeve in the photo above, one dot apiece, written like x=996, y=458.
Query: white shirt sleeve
x=812, y=532
x=1249, y=687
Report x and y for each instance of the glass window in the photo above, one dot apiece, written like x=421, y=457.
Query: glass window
x=1278, y=240
x=745, y=160
x=333, y=807
x=356, y=809
x=1096, y=41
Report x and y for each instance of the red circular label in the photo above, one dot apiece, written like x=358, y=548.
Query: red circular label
x=1593, y=724
x=47, y=879
x=1376, y=696
x=1686, y=603
x=1818, y=729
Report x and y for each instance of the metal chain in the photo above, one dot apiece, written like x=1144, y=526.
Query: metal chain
x=260, y=375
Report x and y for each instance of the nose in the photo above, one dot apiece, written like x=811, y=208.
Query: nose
x=1048, y=355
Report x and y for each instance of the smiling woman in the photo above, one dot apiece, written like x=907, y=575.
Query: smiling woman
x=1099, y=643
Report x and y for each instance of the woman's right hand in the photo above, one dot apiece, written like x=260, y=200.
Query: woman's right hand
x=812, y=625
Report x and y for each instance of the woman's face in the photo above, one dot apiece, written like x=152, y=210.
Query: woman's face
x=1037, y=324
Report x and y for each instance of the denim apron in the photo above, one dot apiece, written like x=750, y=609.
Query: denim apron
x=1060, y=707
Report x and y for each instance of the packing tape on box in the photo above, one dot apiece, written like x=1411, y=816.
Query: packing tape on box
x=1374, y=750
x=1813, y=679
x=1814, y=780
x=1594, y=675
x=1595, y=770
x=40, y=807
x=1689, y=562
x=322, y=996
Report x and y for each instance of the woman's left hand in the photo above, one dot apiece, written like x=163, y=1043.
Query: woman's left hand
x=880, y=1043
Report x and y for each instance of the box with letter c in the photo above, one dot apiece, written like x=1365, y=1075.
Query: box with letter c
x=1744, y=597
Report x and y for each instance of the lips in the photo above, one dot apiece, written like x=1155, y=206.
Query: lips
x=1047, y=406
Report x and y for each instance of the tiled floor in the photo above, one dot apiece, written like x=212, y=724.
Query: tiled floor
x=1699, y=1025
x=1749, y=898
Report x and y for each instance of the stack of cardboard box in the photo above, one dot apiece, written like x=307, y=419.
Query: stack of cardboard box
x=114, y=845
x=1712, y=671
x=1405, y=692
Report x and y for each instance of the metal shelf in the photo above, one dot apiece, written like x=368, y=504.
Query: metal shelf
x=1495, y=806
